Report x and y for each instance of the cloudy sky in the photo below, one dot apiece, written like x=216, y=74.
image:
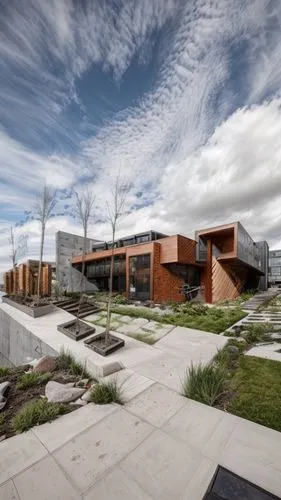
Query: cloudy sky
x=183, y=97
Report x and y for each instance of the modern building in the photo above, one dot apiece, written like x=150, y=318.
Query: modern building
x=274, y=274
x=23, y=279
x=69, y=245
x=223, y=261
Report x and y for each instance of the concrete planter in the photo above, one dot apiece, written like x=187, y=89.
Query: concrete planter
x=75, y=331
x=97, y=344
x=34, y=312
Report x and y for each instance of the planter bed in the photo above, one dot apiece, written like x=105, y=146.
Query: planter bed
x=71, y=329
x=97, y=344
x=33, y=311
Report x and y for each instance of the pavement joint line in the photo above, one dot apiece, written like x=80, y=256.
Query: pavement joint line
x=15, y=488
x=154, y=429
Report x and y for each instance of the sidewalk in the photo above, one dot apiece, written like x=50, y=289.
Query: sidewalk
x=158, y=446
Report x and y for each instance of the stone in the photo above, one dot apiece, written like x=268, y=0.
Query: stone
x=59, y=393
x=45, y=364
x=79, y=402
x=233, y=349
x=33, y=362
x=3, y=387
x=87, y=396
x=2, y=437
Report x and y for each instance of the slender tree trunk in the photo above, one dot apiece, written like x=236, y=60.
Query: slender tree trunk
x=82, y=273
x=108, y=318
x=40, y=262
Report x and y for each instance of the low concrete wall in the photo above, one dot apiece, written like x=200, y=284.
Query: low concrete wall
x=18, y=345
x=35, y=312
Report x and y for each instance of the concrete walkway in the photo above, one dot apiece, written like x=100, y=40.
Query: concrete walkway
x=259, y=299
x=158, y=446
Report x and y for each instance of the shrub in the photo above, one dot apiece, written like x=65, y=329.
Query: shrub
x=204, y=383
x=4, y=370
x=257, y=332
x=32, y=379
x=37, y=412
x=67, y=362
x=106, y=392
x=2, y=419
x=120, y=299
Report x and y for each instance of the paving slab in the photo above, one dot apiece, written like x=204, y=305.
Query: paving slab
x=117, y=485
x=18, y=453
x=131, y=383
x=8, y=491
x=266, y=352
x=125, y=319
x=163, y=466
x=254, y=452
x=201, y=426
x=90, y=455
x=56, y=487
x=201, y=480
x=140, y=321
x=92, y=317
x=127, y=328
x=55, y=434
x=157, y=404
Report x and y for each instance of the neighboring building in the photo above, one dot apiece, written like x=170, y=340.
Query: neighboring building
x=23, y=279
x=274, y=277
x=67, y=246
x=153, y=266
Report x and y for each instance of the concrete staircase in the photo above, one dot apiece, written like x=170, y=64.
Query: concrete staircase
x=72, y=306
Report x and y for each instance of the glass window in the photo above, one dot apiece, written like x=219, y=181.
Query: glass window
x=143, y=239
x=140, y=276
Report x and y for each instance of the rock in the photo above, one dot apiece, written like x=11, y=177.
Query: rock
x=79, y=402
x=45, y=364
x=233, y=349
x=60, y=393
x=2, y=437
x=241, y=340
x=32, y=362
x=87, y=396
x=3, y=387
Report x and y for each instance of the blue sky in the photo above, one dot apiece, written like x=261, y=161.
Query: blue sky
x=182, y=97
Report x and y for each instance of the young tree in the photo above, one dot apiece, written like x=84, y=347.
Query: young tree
x=83, y=211
x=42, y=211
x=115, y=208
x=18, y=246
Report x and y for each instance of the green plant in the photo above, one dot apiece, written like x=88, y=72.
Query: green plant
x=4, y=370
x=37, y=412
x=204, y=383
x=120, y=299
x=144, y=337
x=2, y=419
x=32, y=379
x=67, y=362
x=257, y=332
x=107, y=392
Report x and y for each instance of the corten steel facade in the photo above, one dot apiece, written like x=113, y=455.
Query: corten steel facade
x=223, y=261
x=22, y=280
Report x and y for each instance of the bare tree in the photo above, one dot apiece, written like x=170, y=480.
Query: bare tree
x=83, y=210
x=115, y=208
x=43, y=210
x=18, y=245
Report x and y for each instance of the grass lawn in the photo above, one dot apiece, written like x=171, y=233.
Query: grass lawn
x=197, y=316
x=257, y=383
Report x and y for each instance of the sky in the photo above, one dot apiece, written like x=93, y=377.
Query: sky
x=182, y=98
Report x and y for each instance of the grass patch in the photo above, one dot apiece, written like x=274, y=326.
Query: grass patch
x=67, y=362
x=256, y=384
x=197, y=316
x=37, y=412
x=32, y=379
x=143, y=337
x=107, y=392
x=4, y=370
x=2, y=419
x=204, y=383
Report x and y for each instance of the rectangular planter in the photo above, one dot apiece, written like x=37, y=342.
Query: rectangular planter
x=67, y=329
x=34, y=312
x=97, y=344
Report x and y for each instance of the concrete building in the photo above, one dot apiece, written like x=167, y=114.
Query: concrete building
x=223, y=261
x=274, y=276
x=67, y=246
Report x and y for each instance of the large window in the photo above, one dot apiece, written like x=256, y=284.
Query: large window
x=140, y=276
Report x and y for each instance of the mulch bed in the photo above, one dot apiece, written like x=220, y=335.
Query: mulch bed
x=17, y=398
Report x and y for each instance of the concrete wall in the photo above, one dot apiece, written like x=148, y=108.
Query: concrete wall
x=18, y=345
x=67, y=246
